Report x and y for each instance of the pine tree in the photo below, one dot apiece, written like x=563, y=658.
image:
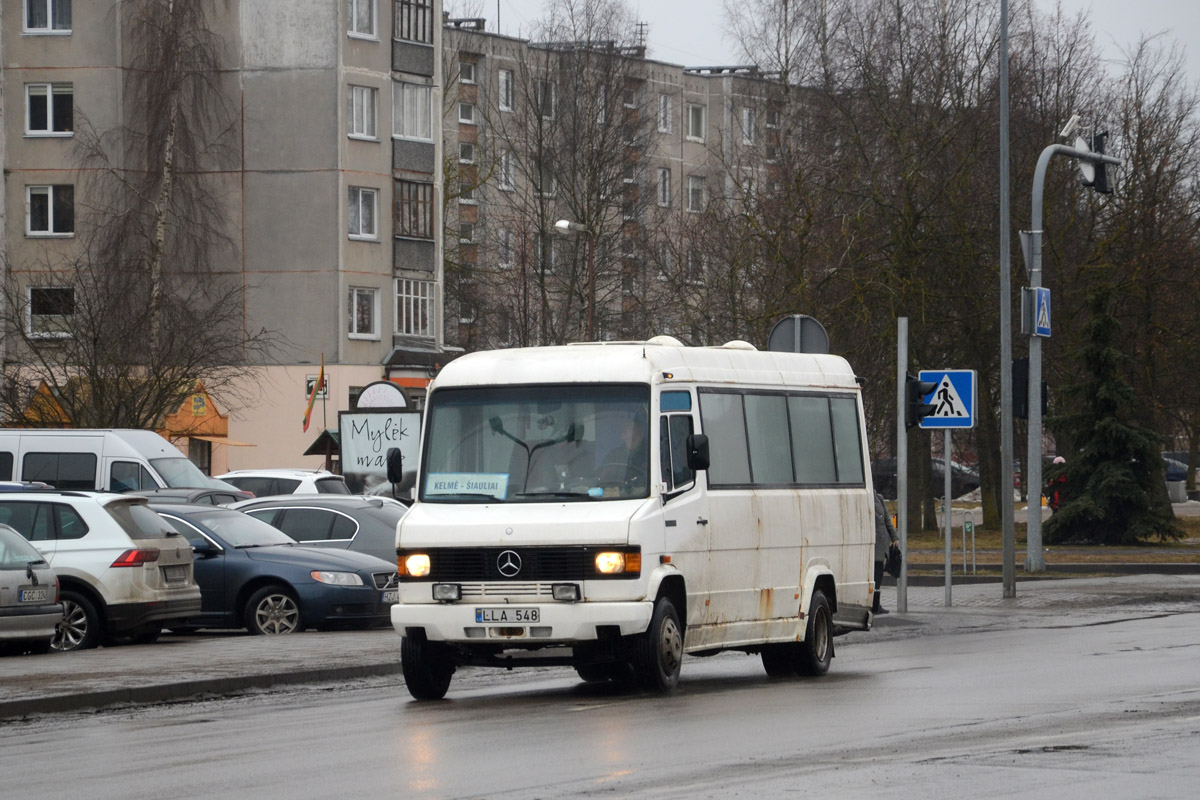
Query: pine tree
x=1115, y=491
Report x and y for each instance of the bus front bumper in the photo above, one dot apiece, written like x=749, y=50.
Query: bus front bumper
x=518, y=624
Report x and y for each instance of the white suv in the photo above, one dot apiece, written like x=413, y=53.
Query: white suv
x=266, y=482
x=124, y=572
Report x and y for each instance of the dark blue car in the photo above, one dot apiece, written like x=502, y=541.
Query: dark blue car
x=254, y=576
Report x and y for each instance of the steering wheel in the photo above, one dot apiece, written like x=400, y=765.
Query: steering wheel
x=632, y=472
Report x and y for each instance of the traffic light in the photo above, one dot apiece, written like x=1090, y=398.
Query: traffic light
x=915, y=407
x=1099, y=181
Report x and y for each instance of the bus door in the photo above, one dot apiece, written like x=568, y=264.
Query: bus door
x=685, y=505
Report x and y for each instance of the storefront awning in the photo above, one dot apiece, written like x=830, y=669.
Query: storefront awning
x=223, y=440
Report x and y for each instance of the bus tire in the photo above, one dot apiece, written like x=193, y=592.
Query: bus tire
x=427, y=668
x=659, y=652
x=816, y=651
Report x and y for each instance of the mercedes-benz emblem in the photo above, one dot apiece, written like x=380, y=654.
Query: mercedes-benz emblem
x=508, y=563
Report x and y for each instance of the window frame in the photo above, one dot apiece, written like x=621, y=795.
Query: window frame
x=692, y=182
x=49, y=333
x=467, y=118
x=504, y=89
x=414, y=302
x=465, y=69
x=663, y=188
x=50, y=89
x=413, y=21
x=748, y=125
x=353, y=112
x=355, y=196
x=352, y=19
x=414, y=209
x=544, y=86
x=51, y=190
x=372, y=294
x=408, y=106
x=665, y=117
x=50, y=29
x=506, y=173
x=689, y=134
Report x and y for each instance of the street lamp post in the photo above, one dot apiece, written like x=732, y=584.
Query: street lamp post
x=566, y=226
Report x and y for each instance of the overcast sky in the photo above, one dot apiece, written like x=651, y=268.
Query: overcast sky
x=691, y=32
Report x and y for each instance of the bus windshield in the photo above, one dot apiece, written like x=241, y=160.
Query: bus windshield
x=522, y=444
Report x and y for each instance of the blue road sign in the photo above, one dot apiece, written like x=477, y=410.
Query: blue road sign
x=1041, y=314
x=953, y=398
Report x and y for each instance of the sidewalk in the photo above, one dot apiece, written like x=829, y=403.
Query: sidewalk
x=221, y=663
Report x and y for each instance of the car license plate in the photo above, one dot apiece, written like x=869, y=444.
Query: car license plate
x=33, y=596
x=391, y=596
x=175, y=573
x=507, y=615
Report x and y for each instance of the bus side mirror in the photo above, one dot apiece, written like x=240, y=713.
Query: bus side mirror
x=395, y=465
x=697, y=452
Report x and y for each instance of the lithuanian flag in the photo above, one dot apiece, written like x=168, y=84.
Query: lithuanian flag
x=312, y=398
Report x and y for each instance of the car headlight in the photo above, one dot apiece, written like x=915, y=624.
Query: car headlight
x=336, y=578
x=414, y=565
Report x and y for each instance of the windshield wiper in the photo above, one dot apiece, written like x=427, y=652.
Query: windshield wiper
x=553, y=494
x=486, y=498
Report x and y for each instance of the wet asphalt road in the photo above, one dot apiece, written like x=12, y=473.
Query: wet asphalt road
x=1051, y=705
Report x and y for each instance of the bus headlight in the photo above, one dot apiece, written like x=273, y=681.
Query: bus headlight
x=414, y=565
x=611, y=562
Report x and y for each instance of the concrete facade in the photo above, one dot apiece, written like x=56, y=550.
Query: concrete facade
x=298, y=75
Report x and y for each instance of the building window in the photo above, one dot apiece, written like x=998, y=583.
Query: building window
x=545, y=99
x=664, y=113
x=412, y=111
x=629, y=97
x=362, y=112
x=49, y=109
x=414, y=307
x=772, y=117
x=505, y=173
x=47, y=16
x=466, y=152
x=466, y=113
x=363, y=203
x=505, y=98
x=695, y=193
x=664, y=187
x=504, y=248
x=51, y=311
x=466, y=72
x=547, y=181
x=466, y=233
x=696, y=121
x=466, y=192
x=50, y=210
x=695, y=266
x=362, y=18
x=414, y=21
x=544, y=254
x=747, y=126
x=364, y=313
x=414, y=209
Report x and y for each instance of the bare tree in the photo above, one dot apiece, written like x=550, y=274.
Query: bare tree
x=145, y=306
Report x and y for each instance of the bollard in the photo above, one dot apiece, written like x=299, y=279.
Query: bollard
x=968, y=527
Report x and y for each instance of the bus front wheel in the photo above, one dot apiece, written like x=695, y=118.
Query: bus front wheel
x=427, y=668
x=659, y=655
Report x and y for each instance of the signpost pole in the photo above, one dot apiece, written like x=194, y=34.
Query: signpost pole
x=901, y=463
x=947, y=514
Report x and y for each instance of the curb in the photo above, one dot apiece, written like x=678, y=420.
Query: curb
x=78, y=701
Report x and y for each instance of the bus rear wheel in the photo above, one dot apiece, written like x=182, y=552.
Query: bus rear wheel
x=816, y=651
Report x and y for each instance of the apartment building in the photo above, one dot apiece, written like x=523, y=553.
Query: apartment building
x=631, y=149
x=330, y=201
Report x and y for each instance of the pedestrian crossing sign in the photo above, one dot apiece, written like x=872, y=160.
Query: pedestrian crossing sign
x=953, y=398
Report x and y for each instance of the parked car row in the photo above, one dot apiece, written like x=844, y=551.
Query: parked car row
x=108, y=567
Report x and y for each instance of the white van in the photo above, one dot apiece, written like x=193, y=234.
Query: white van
x=613, y=506
x=107, y=460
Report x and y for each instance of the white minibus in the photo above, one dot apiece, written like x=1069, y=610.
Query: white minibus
x=102, y=459
x=613, y=506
